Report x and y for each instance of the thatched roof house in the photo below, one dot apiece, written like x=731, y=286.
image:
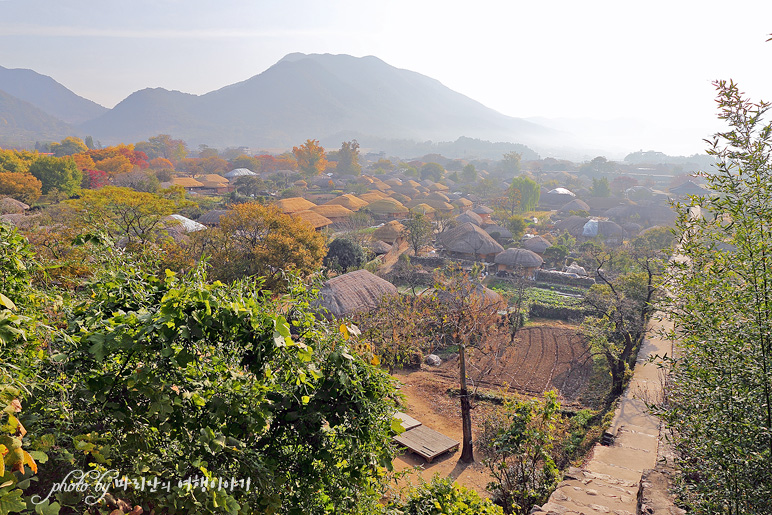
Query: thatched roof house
x=380, y=248
x=489, y=298
x=462, y=204
x=387, y=209
x=498, y=232
x=423, y=209
x=519, y=261
x=573, y=225
x=315, y=220
x=10, y=205
x=189, y=183
x=335, y=212
x=294, y=204
x=575, y=205
x=467, y=241
x=469, y=216
x=348, y=201
x=389, y=232
x=354, y=292
x=689, y=188
x=212, y=218
x=537, y=244
x=372, y=196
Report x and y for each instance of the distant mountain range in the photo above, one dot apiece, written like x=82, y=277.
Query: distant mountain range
x=325, y=97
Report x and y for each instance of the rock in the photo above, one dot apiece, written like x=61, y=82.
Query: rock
x=433, y=360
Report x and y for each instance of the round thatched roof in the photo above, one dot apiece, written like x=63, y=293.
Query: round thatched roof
x=423, y=209
x=482, y=210
x=380, y=247
x=10, y=205
x=372, y=196
x=353, y=292
x=489, y=297
x=503, y=232
x=467, y=238
x=386, y=206
x=519, y=258
x=575, y=205
x=212, y=217
x=313, y=219
x=389, y=232
x=573, y=225
x=576, y=269
x=402, y=199
x=462, y=203
x=436, y=195
x=469, y=216
x=537, y=244
x=186, y=223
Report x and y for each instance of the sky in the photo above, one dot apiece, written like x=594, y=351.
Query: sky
x=647, y=65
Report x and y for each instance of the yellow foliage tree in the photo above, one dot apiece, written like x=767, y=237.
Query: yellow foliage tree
x=21, y=186
x=311, y=158
x=257, y=240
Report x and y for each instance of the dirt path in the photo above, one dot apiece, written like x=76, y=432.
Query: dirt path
x=428, y=402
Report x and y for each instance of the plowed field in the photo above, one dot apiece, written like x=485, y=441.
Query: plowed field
x=543, y=357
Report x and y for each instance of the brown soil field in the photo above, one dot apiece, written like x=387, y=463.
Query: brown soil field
x=543, y=357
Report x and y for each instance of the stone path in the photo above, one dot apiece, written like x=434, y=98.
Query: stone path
x=609, y=481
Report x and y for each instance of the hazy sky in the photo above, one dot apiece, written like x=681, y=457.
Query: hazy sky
x=650, y=61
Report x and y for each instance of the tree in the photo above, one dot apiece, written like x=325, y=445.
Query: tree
x=122, y=212
x=467, y=317
x=418, y=231
x=432, y=171
x=256, y=240
x=244, y=161
x=311, y=158
x=188, y=375
x=344, y=255
x=442, y=497
x=348, y=158
x=509, y=164
x=163, y=146
x=21, y=186
x=719, y=409
x=530, y=193
x=469, y=173
x=516, y=225
x=600, y=187
x=68, y=147
x=518, y=442
x=56, y=173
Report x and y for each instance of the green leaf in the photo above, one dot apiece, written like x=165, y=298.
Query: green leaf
x=6, y=302
x=11, y=502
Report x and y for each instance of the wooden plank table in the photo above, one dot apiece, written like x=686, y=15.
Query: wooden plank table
x=408, y=422
x=426, y=442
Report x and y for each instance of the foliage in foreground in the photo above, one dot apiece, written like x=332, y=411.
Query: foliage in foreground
x=442, y=497
x=719, y=406
x=173, y=378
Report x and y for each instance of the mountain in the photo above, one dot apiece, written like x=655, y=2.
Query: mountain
x=22, y=124
x=312, y=96
x=48, y=95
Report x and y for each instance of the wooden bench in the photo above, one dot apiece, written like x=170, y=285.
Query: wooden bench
x=426, y=442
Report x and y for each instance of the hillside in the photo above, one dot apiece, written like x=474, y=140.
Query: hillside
x=313, y=96
x=48, y=95
x=22, y=124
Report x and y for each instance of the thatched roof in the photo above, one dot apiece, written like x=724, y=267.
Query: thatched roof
x=386, y=206
x=576, y=269
x=601, y=228
x=438, y=205
x=332, y=211
x=315, y=220
x=437, y=186
x=537, y=244
x=10, y=205
x=462, y=203
x=436, y=195
x=503, y=232
x=393, y=182
x=187, y=182
x=519, y=258
x=482, y=210
x=689, y=188
x=372, y=196
x=402, y=199
x=348, y=201
x=412, y=183
x=294, y=204
x=489, y=297
x=389, y=232
x=573, y=225
x=353, y=292
x=422, y=208
x=575, y=205
x=380, y=247
x=212, y=217
x=469, y=216
x=467, y=238
x=19, y=220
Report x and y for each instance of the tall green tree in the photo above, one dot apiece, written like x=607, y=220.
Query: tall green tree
x=61, y=174
x=530, y=193
x=418, y=231
x=348, y=158
x=720, y=404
